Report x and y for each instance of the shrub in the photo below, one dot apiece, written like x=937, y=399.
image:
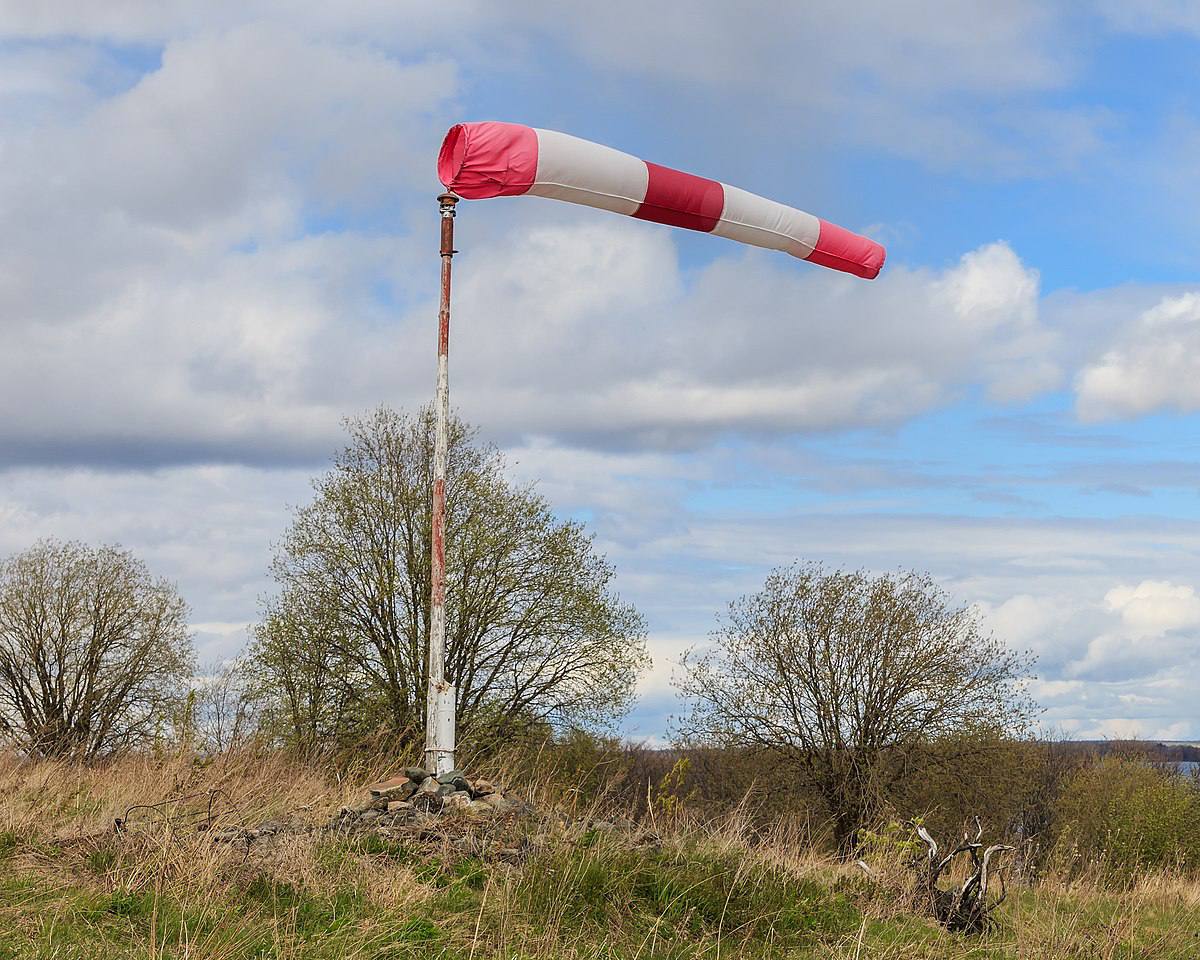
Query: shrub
x=1121, y=815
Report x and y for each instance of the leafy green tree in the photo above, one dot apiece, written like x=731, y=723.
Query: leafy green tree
x=95, y=652
x=534, y=633
x=851, y=680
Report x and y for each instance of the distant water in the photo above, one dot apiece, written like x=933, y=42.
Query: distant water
x=1189, y=766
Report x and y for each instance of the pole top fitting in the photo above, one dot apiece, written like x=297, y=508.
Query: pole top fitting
x=447, y=201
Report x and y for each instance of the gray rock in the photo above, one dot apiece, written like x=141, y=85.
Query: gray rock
x=370, y=816
x=459, y=800
x=497, y=803
x=427, y=802
x=450, y=776
x=415, y=774
x=428, y=785
x=393, y=788
x=482, y=788
x=446, y=789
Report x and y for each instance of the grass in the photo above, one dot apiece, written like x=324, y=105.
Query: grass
x=71, y=888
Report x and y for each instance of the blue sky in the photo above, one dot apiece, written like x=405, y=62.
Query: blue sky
x=219, y=223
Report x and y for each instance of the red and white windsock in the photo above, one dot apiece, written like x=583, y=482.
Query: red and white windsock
x=492, y=159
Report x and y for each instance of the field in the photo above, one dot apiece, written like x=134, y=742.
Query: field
x=70, y=887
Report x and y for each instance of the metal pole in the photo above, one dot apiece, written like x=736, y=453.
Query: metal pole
x=439, y=716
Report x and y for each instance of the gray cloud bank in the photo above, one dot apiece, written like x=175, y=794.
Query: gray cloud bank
x=214, y=260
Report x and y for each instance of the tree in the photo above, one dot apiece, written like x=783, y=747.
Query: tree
x=311, y=680
x=94, y=651
x=534, y=632
x=852, y=679
x=222, y=712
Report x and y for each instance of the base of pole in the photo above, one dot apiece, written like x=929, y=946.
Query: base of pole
x=439, y=742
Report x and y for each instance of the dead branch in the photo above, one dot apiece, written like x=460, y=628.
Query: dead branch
x=967, y=908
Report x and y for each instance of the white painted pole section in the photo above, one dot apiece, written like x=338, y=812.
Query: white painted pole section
x=439, y=709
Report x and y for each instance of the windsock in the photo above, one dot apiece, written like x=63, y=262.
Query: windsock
x=493, y=159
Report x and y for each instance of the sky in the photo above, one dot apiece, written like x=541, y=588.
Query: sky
x=219, y=240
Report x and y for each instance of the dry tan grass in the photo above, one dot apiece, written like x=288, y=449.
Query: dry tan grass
x=59, y=799
x=66, y=812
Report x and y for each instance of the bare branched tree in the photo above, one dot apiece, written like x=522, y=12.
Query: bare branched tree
x=94, y=651
x=534, y=633
x=225, y=707
x=850, y=677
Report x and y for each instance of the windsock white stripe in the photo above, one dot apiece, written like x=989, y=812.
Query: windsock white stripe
x=749, y=218
x=580, y=171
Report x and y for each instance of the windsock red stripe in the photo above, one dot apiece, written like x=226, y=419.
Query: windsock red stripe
x=492, y=159
x=681, y=199
x=840, y=249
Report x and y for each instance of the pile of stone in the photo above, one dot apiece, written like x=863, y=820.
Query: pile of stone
x=417, y=795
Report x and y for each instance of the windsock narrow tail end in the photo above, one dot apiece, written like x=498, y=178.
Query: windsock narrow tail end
x=842, y=250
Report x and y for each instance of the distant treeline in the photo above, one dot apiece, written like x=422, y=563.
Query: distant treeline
x=1164, y=752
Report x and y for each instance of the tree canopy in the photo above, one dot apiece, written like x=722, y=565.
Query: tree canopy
x=535, y=634
x=94, y=650
x=852, y=677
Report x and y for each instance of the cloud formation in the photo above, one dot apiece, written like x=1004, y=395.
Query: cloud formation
x=626, y=348
x=208, y=317
x=949, y=84
x=1152, y=364
x=218, y=223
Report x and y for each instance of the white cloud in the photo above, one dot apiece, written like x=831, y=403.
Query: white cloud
x=1154, y=607
x=158, y=291
x=210, y=529
x=1153, y=363
x=388, y=22
x=590, y=330
x=951, y=84
x=585, y=328
x=1043, y=624
x=1157, y=633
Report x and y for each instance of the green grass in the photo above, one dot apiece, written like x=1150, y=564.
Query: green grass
x=680, y=896
x=603, y=903
x=694, y=896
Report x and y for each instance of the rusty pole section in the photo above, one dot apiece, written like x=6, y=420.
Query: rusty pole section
x=439, y=717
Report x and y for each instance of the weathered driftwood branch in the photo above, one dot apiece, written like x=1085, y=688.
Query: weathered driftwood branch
x=966, y=908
